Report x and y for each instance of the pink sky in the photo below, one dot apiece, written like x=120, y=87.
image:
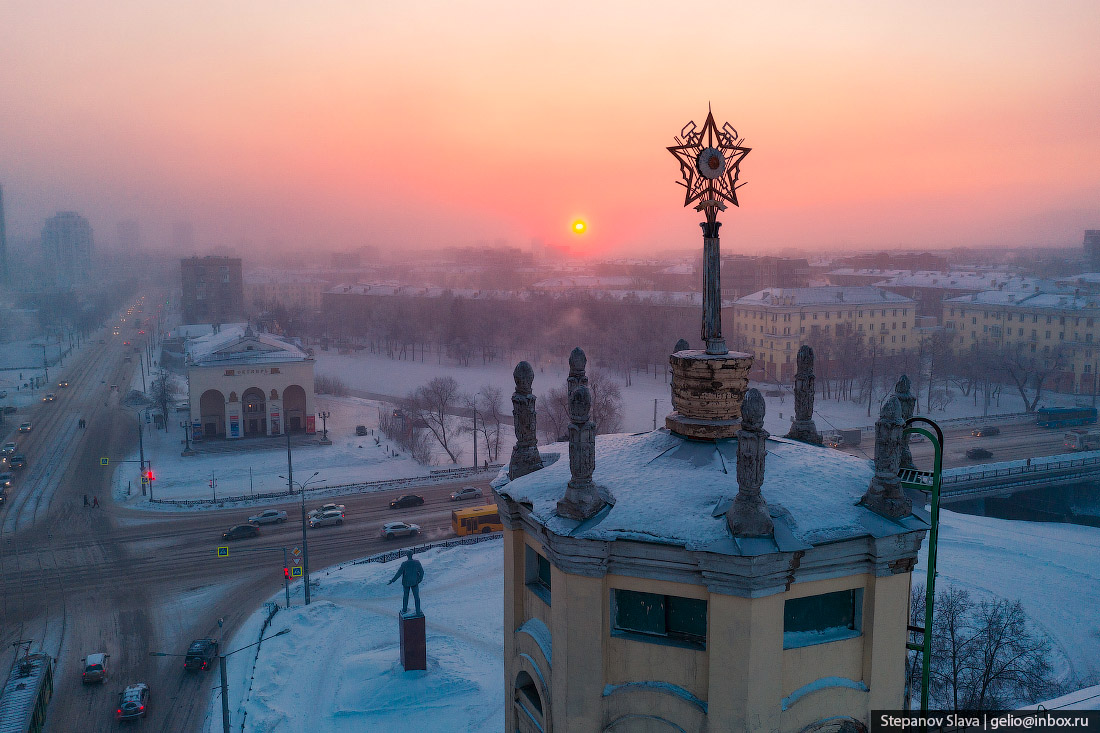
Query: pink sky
x=338, y=124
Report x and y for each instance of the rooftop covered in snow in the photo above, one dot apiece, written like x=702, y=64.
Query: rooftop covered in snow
x=239, y=344
x=825, y=295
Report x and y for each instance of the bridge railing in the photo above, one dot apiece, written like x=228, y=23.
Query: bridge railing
x=1040, y=468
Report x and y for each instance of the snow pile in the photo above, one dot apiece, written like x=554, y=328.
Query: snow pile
x=339, y=669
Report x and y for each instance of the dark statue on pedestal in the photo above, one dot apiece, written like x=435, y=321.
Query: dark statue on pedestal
x=525, y=453
x=803, y=427
x=748, y=516
x=884, y=496
x=411, y=573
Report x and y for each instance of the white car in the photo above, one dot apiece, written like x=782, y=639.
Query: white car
x=268, y=516
x=8, y=449
x=332, y=516
x=466, y=492
x=399, y=529
x=327, y=508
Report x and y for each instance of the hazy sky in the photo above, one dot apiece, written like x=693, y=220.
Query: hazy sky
x=401, y=124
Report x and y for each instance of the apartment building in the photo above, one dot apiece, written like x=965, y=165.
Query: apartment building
x=773, y=324
x=1059, y=330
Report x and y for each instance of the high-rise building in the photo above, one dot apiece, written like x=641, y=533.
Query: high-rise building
x=213, y=289
x=1092, y=249
x=4, y=272
x=67, y=247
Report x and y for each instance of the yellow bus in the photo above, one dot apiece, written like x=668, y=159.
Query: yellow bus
x=478, y=520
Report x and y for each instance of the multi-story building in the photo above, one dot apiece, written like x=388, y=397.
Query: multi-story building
x=744, y=274
x=262, y=290
x=67, y=247
x=1092, y=249
x=772, y=324
x=1060, y=333
x=213, y=289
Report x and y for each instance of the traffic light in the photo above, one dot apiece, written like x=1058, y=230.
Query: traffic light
x=286, y=573
x=149, y=475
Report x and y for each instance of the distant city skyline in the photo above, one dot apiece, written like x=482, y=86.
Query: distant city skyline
x=873, y=126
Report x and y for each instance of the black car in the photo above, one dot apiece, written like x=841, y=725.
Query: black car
x=201, y=654
x=241, y=531
x=406, y=500
x=985, y=431
x=360, y=429
x=978, y=453
x=17, y=461
x=133, y=701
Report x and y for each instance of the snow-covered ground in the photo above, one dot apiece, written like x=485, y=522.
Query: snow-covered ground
x=374, y=373
x=338, y=669
x=1050, y=568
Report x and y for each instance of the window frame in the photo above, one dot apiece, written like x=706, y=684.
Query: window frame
x=829, y=634
x=676, y=638
x=534, y=578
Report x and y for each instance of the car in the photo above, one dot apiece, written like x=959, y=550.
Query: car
x=8, y=449
x=332, y=516
x=985, y=431
x=24, y=427
x=50, y=397
x=241, y=531
x=9, y=409
x=17, y=461
x=268, y=516
x=406, y=500
x=5, y=479
x=467, y=492
x=327, y=508
x=95, y=668
x=834, y=441
x=975, y=453
x=142, y=331
x=102, y=341
x=916, y=438
x=360, y=429
x=399, y=529
x=62, y=384
x=133, y=702
x=200, y=655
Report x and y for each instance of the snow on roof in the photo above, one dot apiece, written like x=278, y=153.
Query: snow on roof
x=953, y=280
x=671, y=490
x=1087, y=698
x=1055, y=301
x=667, y=297
x=280, y=277
x=239, y=344
x=586, y=281
x=825, y=295
x=684, y=268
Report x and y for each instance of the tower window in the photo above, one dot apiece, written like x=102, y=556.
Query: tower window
x=659, y=619
x=537, y=573
x=822, y=619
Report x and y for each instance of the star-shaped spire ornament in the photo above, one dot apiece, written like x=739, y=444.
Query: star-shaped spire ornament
x=710, y=161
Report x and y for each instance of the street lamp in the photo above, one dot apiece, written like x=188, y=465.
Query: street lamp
x=324, y=427
x=305, y=540
x=221, y=665
x=186, y=425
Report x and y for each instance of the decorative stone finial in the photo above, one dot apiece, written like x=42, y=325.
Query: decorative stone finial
x=908, y=404
x=577, y=362
x=582, y=498
x=525, y=453
x=884, y=495
x=681, y=345
x=748, y=515
x=803, y=427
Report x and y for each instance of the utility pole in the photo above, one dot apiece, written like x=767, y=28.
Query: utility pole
x=654, y=413
x=45, y=364
x=142, y=362
x=475, y=438
x=225, y=694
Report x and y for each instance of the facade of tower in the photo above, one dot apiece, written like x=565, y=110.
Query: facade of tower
x=1092, y=249
x=213, y=289
x=67, y=247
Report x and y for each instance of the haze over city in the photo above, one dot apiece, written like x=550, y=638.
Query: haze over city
x=873, y=125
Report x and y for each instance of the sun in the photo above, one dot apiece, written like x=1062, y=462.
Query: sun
x=579, y=227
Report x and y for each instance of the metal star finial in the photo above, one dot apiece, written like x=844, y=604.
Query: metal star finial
x=710, y=161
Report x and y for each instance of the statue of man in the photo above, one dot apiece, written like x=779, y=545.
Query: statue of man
x=411, y=573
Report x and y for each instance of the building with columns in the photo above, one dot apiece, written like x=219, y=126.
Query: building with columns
x=665, y=581
x=244, y=384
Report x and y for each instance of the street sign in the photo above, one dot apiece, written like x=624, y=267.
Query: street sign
x=296, y=551
x=223, y=551
x=297, y=560
x=104, y=461
x=295, y=572
x=144, y=480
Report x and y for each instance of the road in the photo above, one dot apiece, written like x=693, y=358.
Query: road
x=78, y=580
x=1022, y=439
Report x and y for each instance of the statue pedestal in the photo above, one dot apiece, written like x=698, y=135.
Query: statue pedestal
x=414, y=648
x=707, y=391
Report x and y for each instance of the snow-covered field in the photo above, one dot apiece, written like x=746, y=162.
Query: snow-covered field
x=1052, y=569
x=378, y=374
x=338, y=669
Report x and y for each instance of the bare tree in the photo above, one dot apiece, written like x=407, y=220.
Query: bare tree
x=488, y=405
x=1026, y=369
x=432, y=406
x=161, y=395
x=607, y=407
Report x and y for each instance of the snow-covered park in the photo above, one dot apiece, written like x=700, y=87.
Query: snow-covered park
x=338, y=669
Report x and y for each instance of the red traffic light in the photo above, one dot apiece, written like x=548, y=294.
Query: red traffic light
x=149, y=475
x=286, y=573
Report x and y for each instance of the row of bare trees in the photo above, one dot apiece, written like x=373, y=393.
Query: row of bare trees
x=440, y=414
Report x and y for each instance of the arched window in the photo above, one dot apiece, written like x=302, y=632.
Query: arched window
x=527, y=694
x=274, y=394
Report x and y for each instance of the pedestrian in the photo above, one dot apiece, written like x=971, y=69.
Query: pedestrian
x=1029, y=463
x=95, y=501
x=85, y=500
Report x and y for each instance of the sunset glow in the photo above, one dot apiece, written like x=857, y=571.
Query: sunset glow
x=873, y=125
x=579, y=227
